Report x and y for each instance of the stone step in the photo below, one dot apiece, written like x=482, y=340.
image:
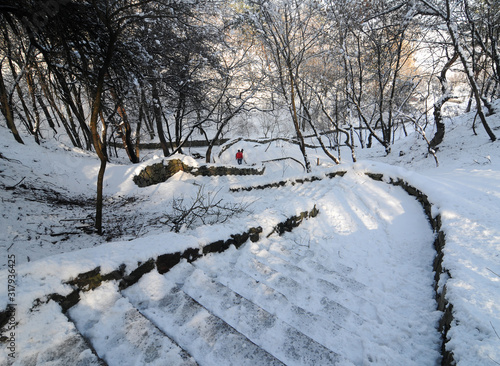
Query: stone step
x=308, y=268
x=265, y=329
x=334, y=283
x=295, y=286
x=322, y=329
x=339, y=276
x=341, y=289
x=303, y=256
x=49, y=338
x=209, y=339
x=120, y=334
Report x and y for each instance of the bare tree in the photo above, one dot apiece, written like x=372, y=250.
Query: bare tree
x=286, y=33
x=92, y=48
x=6, y=107
x=445, y=96
x=451, y=13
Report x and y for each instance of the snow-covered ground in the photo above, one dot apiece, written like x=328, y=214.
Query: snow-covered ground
x=374, y=231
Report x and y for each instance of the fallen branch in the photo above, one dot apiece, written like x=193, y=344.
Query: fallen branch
x=267, y=161
x=15, y=185
x=81, y=219
x=65, y=233
x=6, y=158
x=205, y=209
x=496, y=274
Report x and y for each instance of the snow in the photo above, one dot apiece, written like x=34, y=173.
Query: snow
x=100, y=317
x=369, y=232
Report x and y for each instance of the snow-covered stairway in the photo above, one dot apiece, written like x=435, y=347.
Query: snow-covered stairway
x=349, y=287
x=208, y=338
x=188, y=317
x=293, y=314
x=352, y=286
x=156, y=323
x=265, y=328
x=51, y=339
x=120, y=334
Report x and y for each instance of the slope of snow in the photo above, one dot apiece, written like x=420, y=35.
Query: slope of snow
x=47, y=194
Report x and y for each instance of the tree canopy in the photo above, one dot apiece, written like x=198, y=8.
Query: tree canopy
x=348, y=72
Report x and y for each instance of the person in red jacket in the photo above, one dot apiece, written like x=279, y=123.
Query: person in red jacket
x=239, y=156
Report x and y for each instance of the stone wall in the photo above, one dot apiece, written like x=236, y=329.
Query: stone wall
x=283, y=183
x=159, y=172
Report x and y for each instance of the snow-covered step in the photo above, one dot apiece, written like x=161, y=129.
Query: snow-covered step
x=120, y=334
x=310, y=272
x=302, y=293
x=303, y=256
x=316, y=277
x=265, y=329
x=48, y=338
x=354, y=308
x=321, y=328
x=267, y=297
x=210, y=340
x=340, y=275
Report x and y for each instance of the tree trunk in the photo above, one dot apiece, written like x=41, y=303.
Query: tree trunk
x=28, y=122
x=67, y=98
x=7, y=110
x=472, y=81
x=72, y=133
x=126, y=131
x=300, y=137
x=158, y=118
x=138, y=131
x=216, y=137
x=96, y=138
x=99, y=198
x=179, y=118
x=445, y=89
x=32, y=92
x=147, y=117
x=208, y=155
x=318, y=137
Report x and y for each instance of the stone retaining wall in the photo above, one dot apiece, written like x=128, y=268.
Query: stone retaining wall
x=159, y=172
x=283, y=183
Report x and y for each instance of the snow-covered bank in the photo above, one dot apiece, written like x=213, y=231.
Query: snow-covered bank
x=464, y=190
x=369, y=229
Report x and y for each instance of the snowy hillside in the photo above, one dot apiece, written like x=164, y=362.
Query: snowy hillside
x=353, y=285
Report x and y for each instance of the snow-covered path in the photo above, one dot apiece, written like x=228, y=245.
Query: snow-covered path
x=357, y=279
x=352, y=286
